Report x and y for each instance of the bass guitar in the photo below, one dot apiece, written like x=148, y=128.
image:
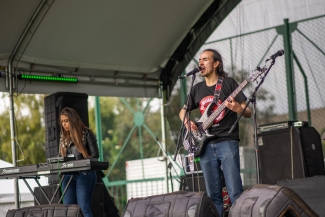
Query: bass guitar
x=201, y=136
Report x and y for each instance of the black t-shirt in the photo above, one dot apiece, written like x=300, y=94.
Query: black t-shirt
x=202, y=95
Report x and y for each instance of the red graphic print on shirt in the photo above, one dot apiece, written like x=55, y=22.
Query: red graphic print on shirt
x=205, y=102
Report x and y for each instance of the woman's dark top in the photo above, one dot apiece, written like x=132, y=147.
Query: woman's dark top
x=90, y=144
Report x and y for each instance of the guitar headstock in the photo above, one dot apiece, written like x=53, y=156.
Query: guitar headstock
x=255, y=74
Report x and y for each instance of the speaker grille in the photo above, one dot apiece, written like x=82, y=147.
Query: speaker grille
x=280, y=156
x=187, y=182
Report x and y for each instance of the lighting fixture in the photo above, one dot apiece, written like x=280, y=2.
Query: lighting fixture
x=47, y=78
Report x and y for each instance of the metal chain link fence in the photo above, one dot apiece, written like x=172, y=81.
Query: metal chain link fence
x=132, y=151
x=243, y=54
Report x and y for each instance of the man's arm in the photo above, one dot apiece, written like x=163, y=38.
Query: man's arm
x=238, y=108
x=182, y=113
x=247, y=113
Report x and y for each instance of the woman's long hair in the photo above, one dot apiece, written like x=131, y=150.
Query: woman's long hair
x=217, y=57
x=75, y=133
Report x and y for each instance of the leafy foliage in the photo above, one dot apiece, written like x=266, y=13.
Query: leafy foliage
x=30, y=131
x=129, y=127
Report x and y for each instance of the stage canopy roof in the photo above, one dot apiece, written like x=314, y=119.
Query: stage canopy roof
x=114, y=48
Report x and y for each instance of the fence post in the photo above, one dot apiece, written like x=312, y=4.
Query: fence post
x=289, y=71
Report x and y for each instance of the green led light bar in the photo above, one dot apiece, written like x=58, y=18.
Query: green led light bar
x=48, y=78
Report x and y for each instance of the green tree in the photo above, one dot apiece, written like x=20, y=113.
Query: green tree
x=30, y=131
x=124, y=121
x=108, y=116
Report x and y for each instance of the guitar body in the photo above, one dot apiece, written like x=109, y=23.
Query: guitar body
x=201, y=137
x=217, y=110
x=199, y=141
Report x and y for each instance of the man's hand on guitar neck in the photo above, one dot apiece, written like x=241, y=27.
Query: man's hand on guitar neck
x=234, y=106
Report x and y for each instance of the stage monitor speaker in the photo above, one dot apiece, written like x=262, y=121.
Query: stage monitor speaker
x=54, y=104
x=289, y=153
x=102, y=204
x=49, y=210
x=270, y=200
x=310, y=189
x=175, y=204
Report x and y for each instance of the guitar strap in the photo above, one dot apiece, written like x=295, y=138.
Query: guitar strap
x=217, y=91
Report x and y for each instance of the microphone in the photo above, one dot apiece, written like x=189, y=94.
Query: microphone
x=277, y=54
x=194, y=71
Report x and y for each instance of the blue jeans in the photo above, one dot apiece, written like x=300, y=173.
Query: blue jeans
x=80, y=190
x=225, y=153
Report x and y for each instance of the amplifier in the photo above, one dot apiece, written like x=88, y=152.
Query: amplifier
x=281, y=125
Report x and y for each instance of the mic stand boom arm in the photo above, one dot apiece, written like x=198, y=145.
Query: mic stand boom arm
x=252, y=99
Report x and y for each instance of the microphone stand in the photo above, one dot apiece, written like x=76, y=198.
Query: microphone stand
x=252, y=99
x=187, y=114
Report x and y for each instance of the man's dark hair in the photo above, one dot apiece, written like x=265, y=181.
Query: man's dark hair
x=217, y=57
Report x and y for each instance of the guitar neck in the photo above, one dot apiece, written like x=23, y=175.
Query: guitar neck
x=207, y=123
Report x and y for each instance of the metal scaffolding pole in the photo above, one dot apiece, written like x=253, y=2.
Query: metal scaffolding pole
x=10, y=76
x=163, y=134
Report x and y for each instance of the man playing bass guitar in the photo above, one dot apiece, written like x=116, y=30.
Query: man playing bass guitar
x=221, y=148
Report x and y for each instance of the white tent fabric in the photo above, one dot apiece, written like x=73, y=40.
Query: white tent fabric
x=114, y=48
x=7, y=196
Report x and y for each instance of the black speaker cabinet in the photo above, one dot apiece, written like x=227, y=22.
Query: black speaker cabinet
x=102, y=205
x=187, y=182
x=54, y=104
x=289, y=153
x=312, y=150
x=49, y=190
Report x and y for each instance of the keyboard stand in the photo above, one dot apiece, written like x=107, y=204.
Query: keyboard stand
x=42, y=190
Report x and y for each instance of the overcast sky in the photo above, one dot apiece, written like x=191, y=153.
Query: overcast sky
x=252, y=15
